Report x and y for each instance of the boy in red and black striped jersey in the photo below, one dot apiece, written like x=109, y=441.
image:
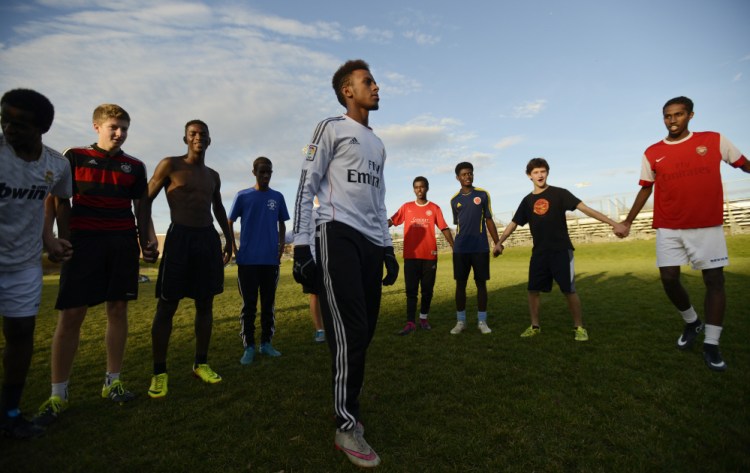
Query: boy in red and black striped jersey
x=101, y=225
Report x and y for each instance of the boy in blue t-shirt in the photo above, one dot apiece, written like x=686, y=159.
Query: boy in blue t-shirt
x=472, y=215
x=263, y=212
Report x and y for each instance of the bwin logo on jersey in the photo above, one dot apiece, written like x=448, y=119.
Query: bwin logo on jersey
x=32, y=193
x=271, y=204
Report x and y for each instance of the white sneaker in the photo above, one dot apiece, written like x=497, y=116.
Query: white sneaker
x=484, y=328
x=356, y=448
x=460, y=326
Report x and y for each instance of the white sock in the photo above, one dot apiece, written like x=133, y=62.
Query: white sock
x=689, y=316
x=110, y=378
x=713, y=333
x=60, y=390
x=423, y=316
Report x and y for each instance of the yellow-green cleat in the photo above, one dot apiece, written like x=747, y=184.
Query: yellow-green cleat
x=581, y=334
x=531, y=331
x=158, y=388
x=50, y=411
x=117, y=392
x=205, y=373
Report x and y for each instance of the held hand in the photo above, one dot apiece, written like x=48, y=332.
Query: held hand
x=150, y=251
x=304, y=268
x=59, y=250
x=498, y=249
x=227, y=254
x=391, y=267
x=623, y=230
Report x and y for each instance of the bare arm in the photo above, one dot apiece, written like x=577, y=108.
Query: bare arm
x=618, y=228
x=146, y=231
x=230, y=222
x=221, y=216
x=448, y=236
x=159, y=179
x=282, y=239
x=638, y=203
x=59, y=249
x=510, y=228
x=493, y=233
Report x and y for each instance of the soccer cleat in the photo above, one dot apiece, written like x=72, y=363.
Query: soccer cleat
x=268, y=350
x=206, y=374
x=50, y=411
x=460, y=326
x=320, y=336
x=483, y=327
x=581, y=334
x=531, y=331
x=352, y=442
x=158, y=388
x=117, y=392
x=19, y=428
x=712, y=357
x=424, y=324
x=408, y=328
x=689, y=334
x=248, y=355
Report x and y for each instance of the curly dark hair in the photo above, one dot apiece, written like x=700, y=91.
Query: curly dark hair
x=34, y=102
x=343, y=74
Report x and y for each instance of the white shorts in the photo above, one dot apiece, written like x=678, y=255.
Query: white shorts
x=702, y=248
x=21, y=292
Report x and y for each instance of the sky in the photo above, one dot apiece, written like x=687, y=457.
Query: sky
x=496, y=83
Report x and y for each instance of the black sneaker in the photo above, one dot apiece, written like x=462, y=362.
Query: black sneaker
x=712, y=357
x=689, y=334
x=20, y=428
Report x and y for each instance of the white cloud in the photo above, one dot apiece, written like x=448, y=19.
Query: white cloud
x=422, y=39
x=529, y=109
x=509, y=141
x=398, y=84
x=737, y=77
x=363, y=32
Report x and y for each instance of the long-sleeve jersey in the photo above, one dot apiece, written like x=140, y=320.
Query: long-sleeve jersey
x=343, y=166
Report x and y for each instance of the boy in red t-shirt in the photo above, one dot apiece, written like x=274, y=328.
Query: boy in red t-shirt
x=420, y=251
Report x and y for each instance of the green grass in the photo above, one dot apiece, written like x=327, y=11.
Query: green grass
x=626, y=401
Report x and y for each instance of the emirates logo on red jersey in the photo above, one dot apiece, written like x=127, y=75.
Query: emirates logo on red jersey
x=701, y=150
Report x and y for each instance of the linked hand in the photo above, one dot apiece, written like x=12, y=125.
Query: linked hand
x=304, y=268
x=150, y=251
x=391, y=267
x=59, y=250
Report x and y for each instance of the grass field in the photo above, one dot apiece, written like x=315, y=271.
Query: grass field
x=626, y=401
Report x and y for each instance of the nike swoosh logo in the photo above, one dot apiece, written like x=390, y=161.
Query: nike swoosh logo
x=660, y=159
x=717, y=365
x=369, y=457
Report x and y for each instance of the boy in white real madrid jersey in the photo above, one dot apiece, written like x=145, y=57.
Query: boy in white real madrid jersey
x=344, y=168
x=29, y=172
x=684, y=168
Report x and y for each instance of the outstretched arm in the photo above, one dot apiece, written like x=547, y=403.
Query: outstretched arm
x=510, y=228
x=448, y=236
x=220, y=214
x=638, y=203
x=619, y=229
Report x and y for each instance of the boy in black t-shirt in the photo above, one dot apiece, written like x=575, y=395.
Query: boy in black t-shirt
x=552, y=255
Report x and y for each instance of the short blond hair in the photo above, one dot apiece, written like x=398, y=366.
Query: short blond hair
x=110, y=110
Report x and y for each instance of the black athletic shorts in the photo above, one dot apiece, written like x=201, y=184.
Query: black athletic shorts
x=191, y=265
x=546, y=266
x=464, y=262
x=103, y=268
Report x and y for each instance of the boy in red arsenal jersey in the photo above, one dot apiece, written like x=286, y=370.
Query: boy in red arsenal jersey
x=688, y=215
x=107, y=185
x=420, y=251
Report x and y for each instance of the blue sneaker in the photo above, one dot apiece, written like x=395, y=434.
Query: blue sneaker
x=320, y=336
x=268, y=350
x=248, y=356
